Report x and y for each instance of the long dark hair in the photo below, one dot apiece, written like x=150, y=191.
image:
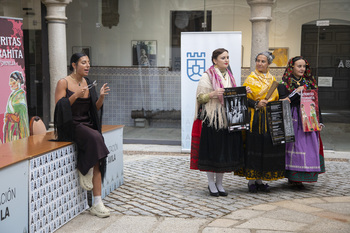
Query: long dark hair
x=74, y=59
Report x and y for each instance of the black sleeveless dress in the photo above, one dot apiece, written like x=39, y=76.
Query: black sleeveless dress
x=90, y=142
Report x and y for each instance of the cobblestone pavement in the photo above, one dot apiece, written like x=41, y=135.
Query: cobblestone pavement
x=161, y=184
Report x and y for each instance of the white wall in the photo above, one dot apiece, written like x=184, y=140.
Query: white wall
x=150, y=20
x=289, y=16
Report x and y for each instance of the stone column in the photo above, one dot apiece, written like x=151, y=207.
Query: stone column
x=260, y=17
x=56, y=20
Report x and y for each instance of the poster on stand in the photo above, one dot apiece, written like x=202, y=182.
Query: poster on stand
x=235, y=100
x=14, y=123
x=280, y=122
x=309, y=110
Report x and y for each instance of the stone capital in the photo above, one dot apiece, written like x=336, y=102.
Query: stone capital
x=260, y=10
x=56, y=9
x=261, y=2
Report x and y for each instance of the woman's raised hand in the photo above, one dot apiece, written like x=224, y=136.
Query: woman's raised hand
x=104, y=90
x=82, y=91
x=299, y=89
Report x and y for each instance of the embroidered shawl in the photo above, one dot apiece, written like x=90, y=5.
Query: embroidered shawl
x=260, y=85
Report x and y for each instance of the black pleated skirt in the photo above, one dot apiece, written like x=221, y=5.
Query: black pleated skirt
x=263, y=160
x=220, y=150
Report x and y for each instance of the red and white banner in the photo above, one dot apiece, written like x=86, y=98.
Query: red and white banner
x=14, y=123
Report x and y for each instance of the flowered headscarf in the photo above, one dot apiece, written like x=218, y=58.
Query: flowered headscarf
x=308, y=81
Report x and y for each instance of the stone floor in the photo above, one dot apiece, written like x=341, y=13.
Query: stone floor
x=159, y=184
x=161, y=194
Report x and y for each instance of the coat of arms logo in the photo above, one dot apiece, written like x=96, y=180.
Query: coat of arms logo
x=195, y=65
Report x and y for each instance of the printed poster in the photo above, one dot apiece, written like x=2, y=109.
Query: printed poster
x=280, y=122
x=235, y=100
x=14, y=123
x=309, y=110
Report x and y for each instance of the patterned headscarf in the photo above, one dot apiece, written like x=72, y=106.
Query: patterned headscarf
x=307, y=79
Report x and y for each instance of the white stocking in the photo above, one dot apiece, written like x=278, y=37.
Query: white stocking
x=211, y=182
x=219, y=178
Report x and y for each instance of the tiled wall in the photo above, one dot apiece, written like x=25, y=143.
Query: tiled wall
x=148, y=88
x=137, y=88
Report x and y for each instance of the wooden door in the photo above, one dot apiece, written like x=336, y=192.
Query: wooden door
x=328, y=51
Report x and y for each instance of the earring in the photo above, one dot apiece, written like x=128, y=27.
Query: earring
x=75, y=71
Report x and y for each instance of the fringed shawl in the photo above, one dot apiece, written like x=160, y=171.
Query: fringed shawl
x=260, y=85
x=214, y=110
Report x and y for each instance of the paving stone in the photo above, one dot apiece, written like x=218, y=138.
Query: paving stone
x=310, y=200
x=334, y=216
x=337, y=199
x=265, y=207
x=291, y=215
x=296, y=206
x=223, y=230
x=178, y=225
x=244, y=214
x=222, y=223
x=271, y=224
x=134, y=224
x=266, y=231
x=328, y=227
x=341, y=208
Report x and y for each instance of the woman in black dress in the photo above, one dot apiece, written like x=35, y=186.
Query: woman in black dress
x=220, y=151
x=76, y=119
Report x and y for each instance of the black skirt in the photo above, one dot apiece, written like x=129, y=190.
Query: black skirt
x=262, y=159
x=220, y=150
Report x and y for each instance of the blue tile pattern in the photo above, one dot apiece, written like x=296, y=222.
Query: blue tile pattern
x=134, y=88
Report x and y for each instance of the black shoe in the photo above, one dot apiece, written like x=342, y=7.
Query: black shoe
x=262, y=187
x=252, y=188
x=296, y=185
x=216, y=194
x=223, y=194
x=300, y=186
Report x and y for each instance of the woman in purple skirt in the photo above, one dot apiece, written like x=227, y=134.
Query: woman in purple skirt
x=304, y=157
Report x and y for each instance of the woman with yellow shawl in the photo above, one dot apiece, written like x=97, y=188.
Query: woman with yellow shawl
x=263, y=161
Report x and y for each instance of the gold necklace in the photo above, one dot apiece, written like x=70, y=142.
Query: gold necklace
x=223, y=74
x=75, y=80
x=298, y=81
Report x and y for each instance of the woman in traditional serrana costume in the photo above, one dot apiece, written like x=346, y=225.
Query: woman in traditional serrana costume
x=16, y=123
x=263, y=160
x=219, y=150
x=304, y=157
